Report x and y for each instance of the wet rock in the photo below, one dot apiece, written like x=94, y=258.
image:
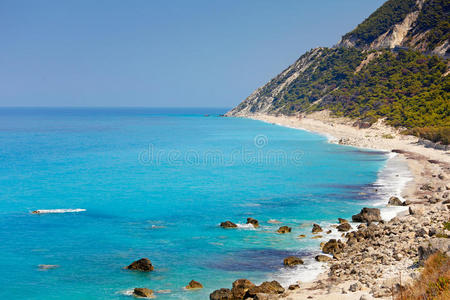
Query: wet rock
x=194, y=285
x=267, y=287
x=317, y=237
x=329, y=231
x=143, y=293
x=292, y=261
x=344, y=227
x=340, y=220
x=301, y=236
x=395, y=201
x=143, y=265
x=254, y=222
x=333, y=247
x=323, y=258
x=221, y=294
x=316, y=228
x=367, y=215
x=228, y=224
x=284, y=229
x=240, y=288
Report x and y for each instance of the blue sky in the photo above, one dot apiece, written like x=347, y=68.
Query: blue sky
x=168, y=53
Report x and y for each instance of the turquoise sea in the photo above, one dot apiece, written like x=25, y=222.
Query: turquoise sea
x=156, y=183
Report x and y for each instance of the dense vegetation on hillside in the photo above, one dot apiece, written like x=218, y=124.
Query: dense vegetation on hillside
x=435, y=17
x=407, y=89
x=387, y=15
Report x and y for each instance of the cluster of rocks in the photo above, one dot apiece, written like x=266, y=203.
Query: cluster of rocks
x=245, y=289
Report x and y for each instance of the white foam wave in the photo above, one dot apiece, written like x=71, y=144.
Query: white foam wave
x=245, y=226
x=58, y=211
x=307, y=272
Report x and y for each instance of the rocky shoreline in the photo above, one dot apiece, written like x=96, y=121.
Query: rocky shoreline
x=379, y=258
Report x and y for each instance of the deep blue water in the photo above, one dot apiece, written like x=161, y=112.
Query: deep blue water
x=156, y=183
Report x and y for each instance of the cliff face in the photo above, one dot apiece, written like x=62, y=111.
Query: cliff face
x=381, y=69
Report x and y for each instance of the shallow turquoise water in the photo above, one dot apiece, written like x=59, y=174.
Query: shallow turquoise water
x=156, y=184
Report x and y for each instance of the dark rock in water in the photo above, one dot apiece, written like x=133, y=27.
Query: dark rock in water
x=340, y=220
x=316, y=228
x=221, y=294
x=284, y=229
x=144, y=265
x=333, y=247
x=194, y=285
x=395, y=201
x=344, y=227
x=323, y=258
x=254, y=222
x=367, y=215
x=240, y=288
x=292, y=261
x=267, y=287
x=228, y=224
x=143, y=292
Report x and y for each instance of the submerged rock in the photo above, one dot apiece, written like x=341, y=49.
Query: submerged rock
x=194, y=285
x=143, y=293
x=228, y=224
x=221, y=294
x=47, y=267
x=284, y=229
x=292, y=261
x=143, y=264
x=344, y=227
x=316, y=228
x=367, y=215
x=395, y=201
x=254, y=222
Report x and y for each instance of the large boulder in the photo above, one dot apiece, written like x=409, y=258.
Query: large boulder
x=367, y=215
x=267, y=287
x=143, y=293
x=292, y=261
x=254, y=222
x=344, y=227
x=333, y=247
x=221, y=294
x=143, y=264
x=194, y=285
x=228, y=224
x=395, y=201
x=240, y=288
x=284, y=229
x=316, y=228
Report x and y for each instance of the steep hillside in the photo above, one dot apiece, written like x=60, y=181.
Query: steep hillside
x=385, y=68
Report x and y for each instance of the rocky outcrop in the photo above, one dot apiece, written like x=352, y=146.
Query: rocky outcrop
x=292, y=261
x=194, y=285
x=143, y=265
x=143, y=293
x=284, y=229
x=323, y=258
x=367, y=215
x=228, y=224
x=316, y=228
x=333, y=247
x=267, y=287
x=240, y=288
x=221, y=294
x=344, y=227
x=395, y=201
x=254, y=222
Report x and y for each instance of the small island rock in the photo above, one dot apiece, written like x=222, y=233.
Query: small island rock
x=194, y=285
x=143, y=293
x=254, y=222
x=292, y=261
x=143, y=264
x=316, y=228
x=228, y=224
x=284, y=229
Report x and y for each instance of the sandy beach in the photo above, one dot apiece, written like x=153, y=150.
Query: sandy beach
x=429, y=168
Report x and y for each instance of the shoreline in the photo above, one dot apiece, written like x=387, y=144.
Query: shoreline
x=421, y=163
